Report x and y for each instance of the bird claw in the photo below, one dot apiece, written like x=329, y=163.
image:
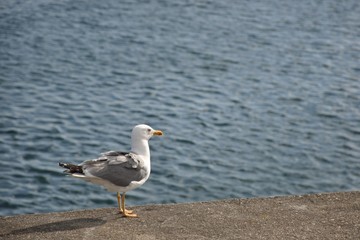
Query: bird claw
x=126, y=211
x=129, y=214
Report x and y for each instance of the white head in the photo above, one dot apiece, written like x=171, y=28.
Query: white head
x=144, y=132
x=139, y=139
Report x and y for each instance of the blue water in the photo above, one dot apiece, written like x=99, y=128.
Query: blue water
x=256, y=98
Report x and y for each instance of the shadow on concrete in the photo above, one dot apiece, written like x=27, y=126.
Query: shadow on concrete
x=67, y=225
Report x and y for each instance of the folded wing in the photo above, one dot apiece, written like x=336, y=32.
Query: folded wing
x=119, y=168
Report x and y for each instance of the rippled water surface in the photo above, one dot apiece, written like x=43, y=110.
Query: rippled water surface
x=256, y=98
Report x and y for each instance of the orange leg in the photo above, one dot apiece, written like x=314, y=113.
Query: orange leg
x=125, y=213
x=119, y=204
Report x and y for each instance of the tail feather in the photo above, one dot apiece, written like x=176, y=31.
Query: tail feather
x=71, y=168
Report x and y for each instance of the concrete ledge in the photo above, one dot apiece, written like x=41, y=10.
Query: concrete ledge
x=316, y=216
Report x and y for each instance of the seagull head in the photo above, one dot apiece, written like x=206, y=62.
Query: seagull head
x=143, y=131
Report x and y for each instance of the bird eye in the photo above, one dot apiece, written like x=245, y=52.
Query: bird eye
x=149, y=130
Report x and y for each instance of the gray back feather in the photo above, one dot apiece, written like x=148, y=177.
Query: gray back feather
x=119, y=168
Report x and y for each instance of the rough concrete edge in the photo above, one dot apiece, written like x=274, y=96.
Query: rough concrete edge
x=261, y=198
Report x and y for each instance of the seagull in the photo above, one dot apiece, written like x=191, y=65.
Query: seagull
x=119, y=171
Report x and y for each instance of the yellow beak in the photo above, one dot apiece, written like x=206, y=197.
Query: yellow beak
x=158, y=133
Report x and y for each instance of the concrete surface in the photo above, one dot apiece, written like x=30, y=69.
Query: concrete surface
x=317, y=216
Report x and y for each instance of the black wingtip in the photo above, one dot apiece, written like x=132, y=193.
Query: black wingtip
x=72, y=168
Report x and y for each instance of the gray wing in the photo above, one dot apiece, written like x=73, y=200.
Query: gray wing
x=119, y=168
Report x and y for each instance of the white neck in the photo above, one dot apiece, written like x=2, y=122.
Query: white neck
x=141, y=147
